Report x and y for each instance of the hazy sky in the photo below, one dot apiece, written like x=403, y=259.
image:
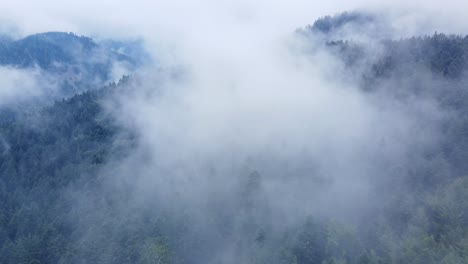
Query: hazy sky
x=119, y=17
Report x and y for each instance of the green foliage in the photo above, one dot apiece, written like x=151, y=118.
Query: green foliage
x=156, y=251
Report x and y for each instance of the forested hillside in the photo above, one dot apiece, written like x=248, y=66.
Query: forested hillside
x=63, y=198
x=70, y=62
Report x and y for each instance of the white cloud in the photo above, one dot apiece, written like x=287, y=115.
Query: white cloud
x=17, y=85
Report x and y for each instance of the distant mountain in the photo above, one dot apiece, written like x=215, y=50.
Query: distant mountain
x=329, y=24
x=350, y=25
x=74, y=63
x=50, y=50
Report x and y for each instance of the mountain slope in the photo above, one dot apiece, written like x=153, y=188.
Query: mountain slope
x=70, y=62
x=62, y=201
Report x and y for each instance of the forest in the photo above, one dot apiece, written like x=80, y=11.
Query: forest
x=63, y=198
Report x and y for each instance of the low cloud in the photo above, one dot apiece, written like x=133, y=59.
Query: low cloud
x=19, y=85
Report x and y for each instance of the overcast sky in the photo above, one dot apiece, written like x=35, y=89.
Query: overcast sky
x=119, y=17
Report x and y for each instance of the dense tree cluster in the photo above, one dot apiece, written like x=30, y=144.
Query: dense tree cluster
x=329, y=23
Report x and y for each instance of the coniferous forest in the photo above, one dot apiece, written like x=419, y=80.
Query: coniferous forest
x=103, y=167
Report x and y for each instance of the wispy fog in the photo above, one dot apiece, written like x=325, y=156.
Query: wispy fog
x=244, y=125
